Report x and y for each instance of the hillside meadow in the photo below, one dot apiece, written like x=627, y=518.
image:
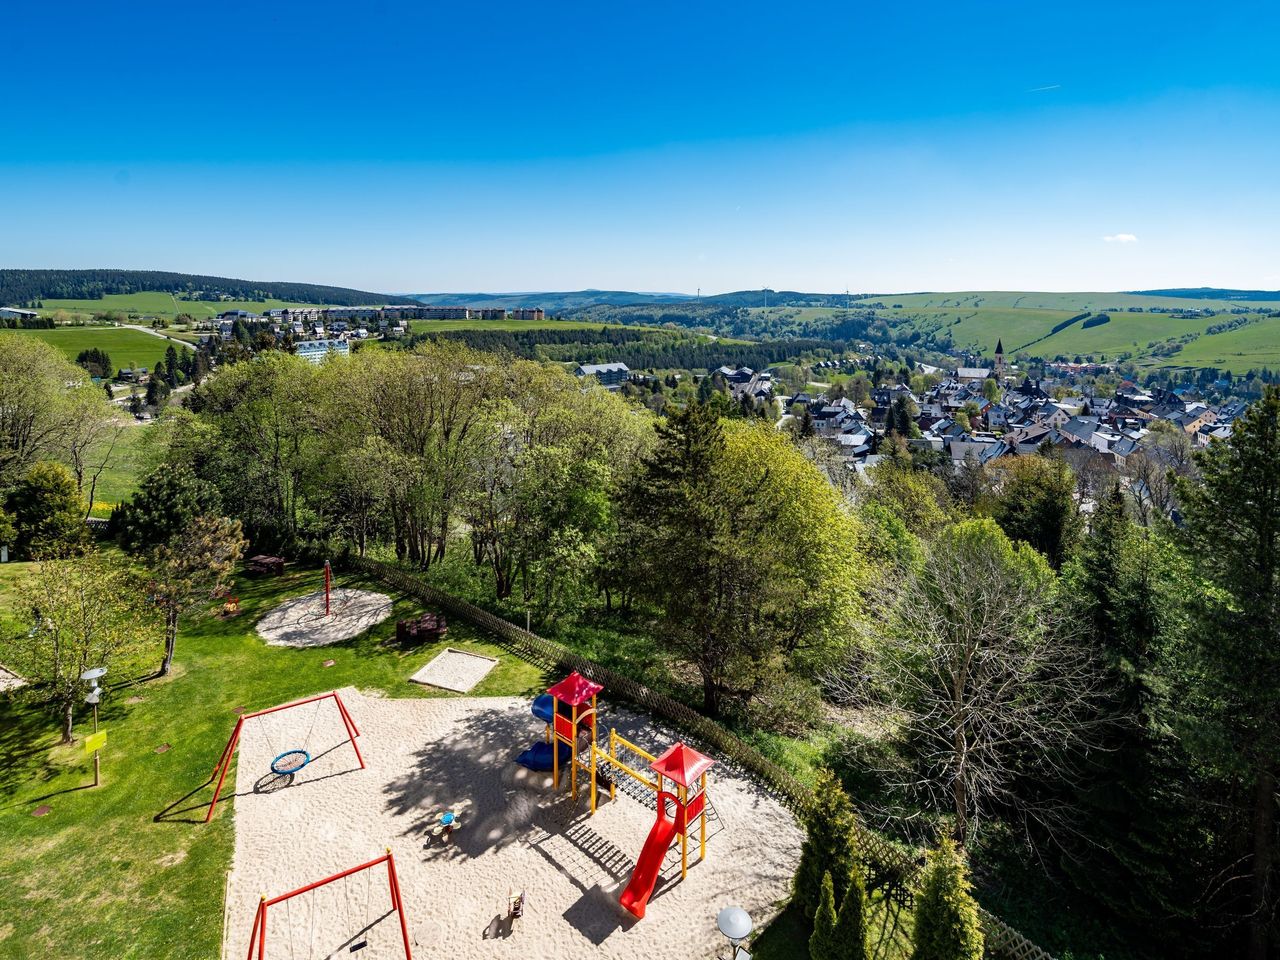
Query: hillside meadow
x=1071, y=302
x=127, y=348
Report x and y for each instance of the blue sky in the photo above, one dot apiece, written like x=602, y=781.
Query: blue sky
x=657, y=146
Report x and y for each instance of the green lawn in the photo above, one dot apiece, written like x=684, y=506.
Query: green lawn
x=123, y=471
x=128, y=870
x=126, y=347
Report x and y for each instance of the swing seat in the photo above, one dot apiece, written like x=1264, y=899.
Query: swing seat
x=291, y=761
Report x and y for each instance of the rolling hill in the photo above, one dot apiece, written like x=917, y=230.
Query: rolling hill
x=551, y=302
x=18, y=287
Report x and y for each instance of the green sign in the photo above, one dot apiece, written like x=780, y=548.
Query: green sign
x=95, y=741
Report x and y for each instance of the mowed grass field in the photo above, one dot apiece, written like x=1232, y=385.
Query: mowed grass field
x=129, y=870
x=158, y=304
x=1130, y=332
x=126, y=347
x=125, y=468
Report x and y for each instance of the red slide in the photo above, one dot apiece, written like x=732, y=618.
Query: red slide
x=645, y=876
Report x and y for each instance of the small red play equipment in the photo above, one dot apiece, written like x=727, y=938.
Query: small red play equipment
x=685, y=767
x=258, y=935
x=224, y=764
x=573, y=691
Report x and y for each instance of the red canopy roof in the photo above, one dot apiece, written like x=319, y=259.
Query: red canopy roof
x=682, y=764
x=575, y=689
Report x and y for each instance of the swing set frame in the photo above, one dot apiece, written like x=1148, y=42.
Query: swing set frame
x=224, y=764
x=258, y=935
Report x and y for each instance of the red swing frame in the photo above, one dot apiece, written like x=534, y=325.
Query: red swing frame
x=224, y=764
x=258, y=935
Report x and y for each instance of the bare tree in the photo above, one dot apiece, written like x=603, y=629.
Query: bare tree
x=95, y=430
x=993, y=690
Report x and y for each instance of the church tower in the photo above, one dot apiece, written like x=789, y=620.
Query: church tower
x=999, y=370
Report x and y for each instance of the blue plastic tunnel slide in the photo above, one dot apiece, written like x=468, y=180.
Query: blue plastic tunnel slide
x=538, y=756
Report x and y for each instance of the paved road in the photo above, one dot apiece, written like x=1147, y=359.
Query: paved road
x=156, y=333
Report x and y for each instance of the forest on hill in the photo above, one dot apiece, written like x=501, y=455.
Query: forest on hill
x=27, y=287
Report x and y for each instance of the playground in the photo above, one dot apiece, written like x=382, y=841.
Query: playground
x=435, y=784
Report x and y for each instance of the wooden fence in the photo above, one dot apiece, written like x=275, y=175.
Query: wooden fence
x=887, y=867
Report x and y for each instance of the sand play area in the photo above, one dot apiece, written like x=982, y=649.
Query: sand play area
x=301, y=622
x=456, y=670
x=425, y=757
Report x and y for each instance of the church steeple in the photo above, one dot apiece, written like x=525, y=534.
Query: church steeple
x=999, y=370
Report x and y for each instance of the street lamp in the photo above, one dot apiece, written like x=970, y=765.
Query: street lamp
x=94, y=697
x=735, y=924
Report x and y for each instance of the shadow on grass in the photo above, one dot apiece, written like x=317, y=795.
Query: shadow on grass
x=787, y=937
x=172, y=813
x=24, y=748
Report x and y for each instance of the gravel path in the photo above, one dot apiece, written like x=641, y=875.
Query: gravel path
x=301, y=622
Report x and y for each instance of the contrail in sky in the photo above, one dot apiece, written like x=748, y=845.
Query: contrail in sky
x=1051, y=86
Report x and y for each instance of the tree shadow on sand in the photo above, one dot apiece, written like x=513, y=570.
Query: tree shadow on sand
x=470, y=770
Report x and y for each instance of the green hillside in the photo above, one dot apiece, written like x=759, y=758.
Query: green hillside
x=1072, y=302
x=126, y=347
x=1255, y=345
x=441, y=326
x=154, y=303
x=18, y=287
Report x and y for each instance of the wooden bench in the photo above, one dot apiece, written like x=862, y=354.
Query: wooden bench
x=264, y=565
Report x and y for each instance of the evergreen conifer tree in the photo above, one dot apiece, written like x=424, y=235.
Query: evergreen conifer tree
x=823, y=944
x=1232, y=535
x=947, y=925
x=828, y=845
x=851, y=922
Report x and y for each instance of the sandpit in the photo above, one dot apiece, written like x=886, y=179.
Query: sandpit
x=301, y=622
x=456, y=670
x=430, y=755
x=10, y=681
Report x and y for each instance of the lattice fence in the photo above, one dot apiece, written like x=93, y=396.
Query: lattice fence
x=893, y=870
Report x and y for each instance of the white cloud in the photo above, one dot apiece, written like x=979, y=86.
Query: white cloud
x=1120, y=238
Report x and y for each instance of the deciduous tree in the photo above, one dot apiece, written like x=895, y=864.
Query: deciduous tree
x=190, y=570
x=82, y=613
x=994, y=688
x=48, y=512
x=767, y=561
